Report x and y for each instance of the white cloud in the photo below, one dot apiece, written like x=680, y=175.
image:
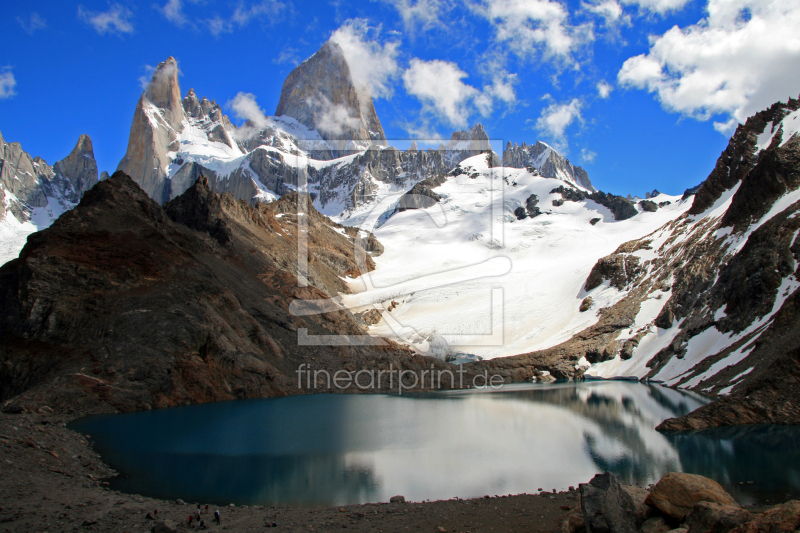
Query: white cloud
x=372, y=65
x=7, y=83
x=740, y=59
x=604, y=89
x=588, y=156
x=33, y=23
x=115, y=20
x=422, y=14
x=333, y=119
x=144, y=80
x=437, y=84
x=555, y=119
x=536, y=27
x=173, y=11
x=610, y=11
x=658, y=6
x=243, y=15
x=246, y=108
x=287, y=55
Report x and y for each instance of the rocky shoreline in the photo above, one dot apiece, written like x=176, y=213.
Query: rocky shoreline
x=52, y=480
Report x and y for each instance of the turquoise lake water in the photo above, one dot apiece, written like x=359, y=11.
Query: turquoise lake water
x=347, y=448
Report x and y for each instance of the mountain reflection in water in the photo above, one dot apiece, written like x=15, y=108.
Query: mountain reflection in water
x=338, y=449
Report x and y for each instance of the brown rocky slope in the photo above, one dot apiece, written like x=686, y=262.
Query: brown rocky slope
x=124, y=305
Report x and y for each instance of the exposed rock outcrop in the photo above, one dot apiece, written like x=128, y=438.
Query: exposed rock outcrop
x=621, y=208
x=421, y=195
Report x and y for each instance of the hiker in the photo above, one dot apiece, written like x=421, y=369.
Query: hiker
x=197, y=514
x=216, y=516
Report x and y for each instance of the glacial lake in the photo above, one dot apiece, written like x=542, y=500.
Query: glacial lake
x=353, y=448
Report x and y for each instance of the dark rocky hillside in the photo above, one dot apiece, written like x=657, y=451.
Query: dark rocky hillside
x=123, y=305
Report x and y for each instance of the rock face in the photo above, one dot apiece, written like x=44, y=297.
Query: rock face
x=607, y=508
x=79, y=167
x=122, y=304
x=676, y=494
x=157, y=121
x=547, y=161
x=320, y=93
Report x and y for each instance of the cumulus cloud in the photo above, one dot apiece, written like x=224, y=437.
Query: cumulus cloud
x=439, y=86
x=7, y=83
x=610, y=11
x=243, y=15
x=173, y=11
x=32, y=23
x=533, y=28
x=658, y=6
x=373, y=65
x=420, y=14
x=115, y=20
x=604, y=89
x=741, y=58
x=246, y=108
x=588, y=156
x=555, y=119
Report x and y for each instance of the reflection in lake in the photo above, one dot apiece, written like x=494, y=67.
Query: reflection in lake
x=336, y=449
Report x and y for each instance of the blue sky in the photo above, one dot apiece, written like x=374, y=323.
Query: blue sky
x=641, y=93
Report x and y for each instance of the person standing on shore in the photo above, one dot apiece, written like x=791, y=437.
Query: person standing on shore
x=216, y=516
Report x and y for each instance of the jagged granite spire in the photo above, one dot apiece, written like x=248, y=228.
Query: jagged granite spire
x=321, y=95
x=79, y=167
x=158, y=119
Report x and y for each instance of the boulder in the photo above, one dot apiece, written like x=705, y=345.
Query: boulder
x=676, y=494
x=573, y=523
x=586, y=304
x=607, y=507
x=639, y=496
x=656, y=524
x=397, y=499
x=779, y=519
x=520, y=213
x=710, y=517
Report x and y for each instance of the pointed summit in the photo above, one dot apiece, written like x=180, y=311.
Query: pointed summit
x=165, y=93
x=320, y=94
x=79, y=167
x=157, y=121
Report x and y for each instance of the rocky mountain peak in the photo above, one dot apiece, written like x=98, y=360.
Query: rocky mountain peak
x=320, y=94
x=164, y=91
x=476, y=137
x=79, y=167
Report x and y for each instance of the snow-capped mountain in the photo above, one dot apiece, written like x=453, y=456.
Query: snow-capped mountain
x=547, y=161
x=347, y=167
x=34, y=193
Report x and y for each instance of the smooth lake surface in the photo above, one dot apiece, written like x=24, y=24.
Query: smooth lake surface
x=351, y=448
